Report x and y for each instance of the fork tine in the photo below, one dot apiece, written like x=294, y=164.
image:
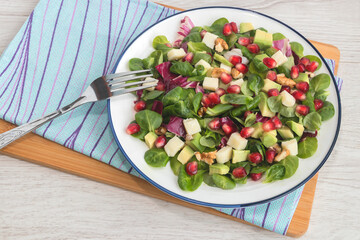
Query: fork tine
x=124, y=79
x=117, y=75
x=132, y=84
x=122, y=91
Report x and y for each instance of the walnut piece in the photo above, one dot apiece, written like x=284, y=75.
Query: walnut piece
x=160, y=130
x=201, y=112
x=236, y=74
x=207, y=157
x=216, y=72
x=221, y=45
x=282, y=80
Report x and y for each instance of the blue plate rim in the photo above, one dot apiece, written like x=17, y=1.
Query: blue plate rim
x=215, y=205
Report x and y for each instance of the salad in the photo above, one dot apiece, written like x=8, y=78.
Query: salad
x=232, y=103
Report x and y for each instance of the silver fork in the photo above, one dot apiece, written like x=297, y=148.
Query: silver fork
x=101, y=88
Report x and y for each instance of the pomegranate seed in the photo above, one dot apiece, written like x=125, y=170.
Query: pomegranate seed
x=206, y=102
x=277, y=122
x=160, y=86
x=247, y=113
x=294, y=72
x=191, y=168
x=285, y=88
x=270, y=155
x=168, y=45
x=188, y=57
x=255, y=157
x=299, y=95
x=311, y=67
x=140, y=105
x=304, y=61
x=302, y=86
x=273, y=92
x=246, y=132
x=214, y=98
x=308, y=134
x=228, y=129
x=215, y=124
x=239, y=172
x=254, y=48
x=160, y=141
x=244, y=41
x=302, y=109
x=271, y=75
x=220, y=92
x=318, y=104
x=235, y=59
x=227, y=29
x=242, y=68
x=301, y=67
x=225, y=78
x=255, y=176
x=234, y=89
x=269, y=62
x=234, y=27
x=202, y=33
x=132, y=128
x=268, y=126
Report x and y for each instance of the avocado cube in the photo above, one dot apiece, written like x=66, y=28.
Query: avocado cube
x=258, y=130
x=271, y=51
x=240, y=155
x=303, y=77
x=296, y=127
x=185, y=155
x=264, y=108
x=150, y=139
x=268, y=84
x=191, y=126
x=246, y=27
x=273, y=132
x=268, y=139
x=218, y=168
x=222, y=59
x=263, y=39
x=289, y=63
x=285, y=132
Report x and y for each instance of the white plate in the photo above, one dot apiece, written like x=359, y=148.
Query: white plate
x=121, y=113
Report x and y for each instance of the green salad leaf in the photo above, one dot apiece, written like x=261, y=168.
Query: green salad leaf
x=161, y=39
x=237, y=99
x=322, y=95
x=175, y=164
x=312, y=121
x=156, y=157
x=223, y=182
x=297, y=48
x=308, y=147
x=255, y=83
x=320, y=82
x=182, y=68
x=314, y=58
x=148, y=120
x=136, y=64
x=327, y=111
x=190, y=183
x=274, y=103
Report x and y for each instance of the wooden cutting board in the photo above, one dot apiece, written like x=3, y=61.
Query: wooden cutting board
x=36, y=149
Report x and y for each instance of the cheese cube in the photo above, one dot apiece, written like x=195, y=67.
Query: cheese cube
x=203, y=63
x=224, y=155
x=173, y=146
x=150, y=83
x=209, y=39
x=192, y=126
x=210, y=83
x=176, y=54
x=225, y=67
x=237, y=142
x=238, y=82
x=291, y=145
x=279, y=57
x=287, y=99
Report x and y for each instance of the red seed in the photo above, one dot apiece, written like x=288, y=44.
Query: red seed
x=214, y=98
x=225, y=78
x=215, y=124
x=270, y=155
x=285, y=88
x=206, y=102
x=188, y=57
x=235, y=59
x=255, y=157
x=273, y=92
x=312, y=66
x=220, y=91
x=246, y=132
x=247, y=113
x=255, y=176
x=277, y=122
x=299, y=95
x=139, y=106
x=202, y=33
x=294, y=72
x=227, y=29
x=234, y=89
x=303, y=86
x=254, y=48
x=271, y=75
x=269, y=62
x=318, y=104
x=302, y=109
x=301, y=67
x=304, y=61
x=160, y=86
x=239, y=172
x=244, y=41
x=234, y=27
x=228, y=129
x=132, y=128
x=242, y=68
x=191, y=168
x=160, y=141
x=268, y=126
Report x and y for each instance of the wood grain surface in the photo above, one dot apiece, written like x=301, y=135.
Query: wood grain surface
x=39, y=203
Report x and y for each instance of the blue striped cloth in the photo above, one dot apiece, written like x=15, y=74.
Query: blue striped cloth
x=60, y=49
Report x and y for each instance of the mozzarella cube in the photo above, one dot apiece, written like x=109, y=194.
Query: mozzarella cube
x=203, y=63
x=209, y=40
x=291, y=145
x=224, y=155
x=150, y=83
x=210, y=83
x=192, y=126
x=173, y=146
x=176, y=54
x=225, y=67
x=279, y=57
x=237, y=142
x=287, y=99
x=238, y=82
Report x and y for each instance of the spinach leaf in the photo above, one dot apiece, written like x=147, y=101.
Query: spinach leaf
x=278, y=36
x=197, y=101
x=238, y=111
x=174, y=96
x=256, y=146
x=152, y=95
x=274, y=103
x=320, y=82
x=287, y=111
x=246, y=52
x=190, y=183
x=196, y=29
x=242, y=180
x=193, y=37
x=156, y=157
x=237, y=99
x=254, y=103
x=164, y=49
x=291, y=163
x=312, y=121
x=161, y=39
x=322, y=95
x=182, y=68
x=218, y=25
x=223, y=182
x=327, y=111
x=196, y=78
x=316, y=59
x=245, y=165
x=309, y=101
x=140, y=135
x=218, y=109
x=198, y=47
x=207, y=141
x=178, y=109
x=259, y=169
x=201, y=56
x=308, y=147
x=275, y=172
x=255, y=83
x=231, y=40
x=250, y=120
x=209, y=180
x=175, y=164
x=153, y=60
x=284, y=70
x=136, y=64
x=297, y=48
x=148, y=120
x=245, y=89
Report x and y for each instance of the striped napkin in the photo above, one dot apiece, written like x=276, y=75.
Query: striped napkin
x=61, y=48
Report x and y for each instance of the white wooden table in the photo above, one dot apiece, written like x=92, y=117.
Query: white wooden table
x=41, y=203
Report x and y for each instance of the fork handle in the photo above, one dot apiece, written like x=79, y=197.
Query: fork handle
x=15, y=133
